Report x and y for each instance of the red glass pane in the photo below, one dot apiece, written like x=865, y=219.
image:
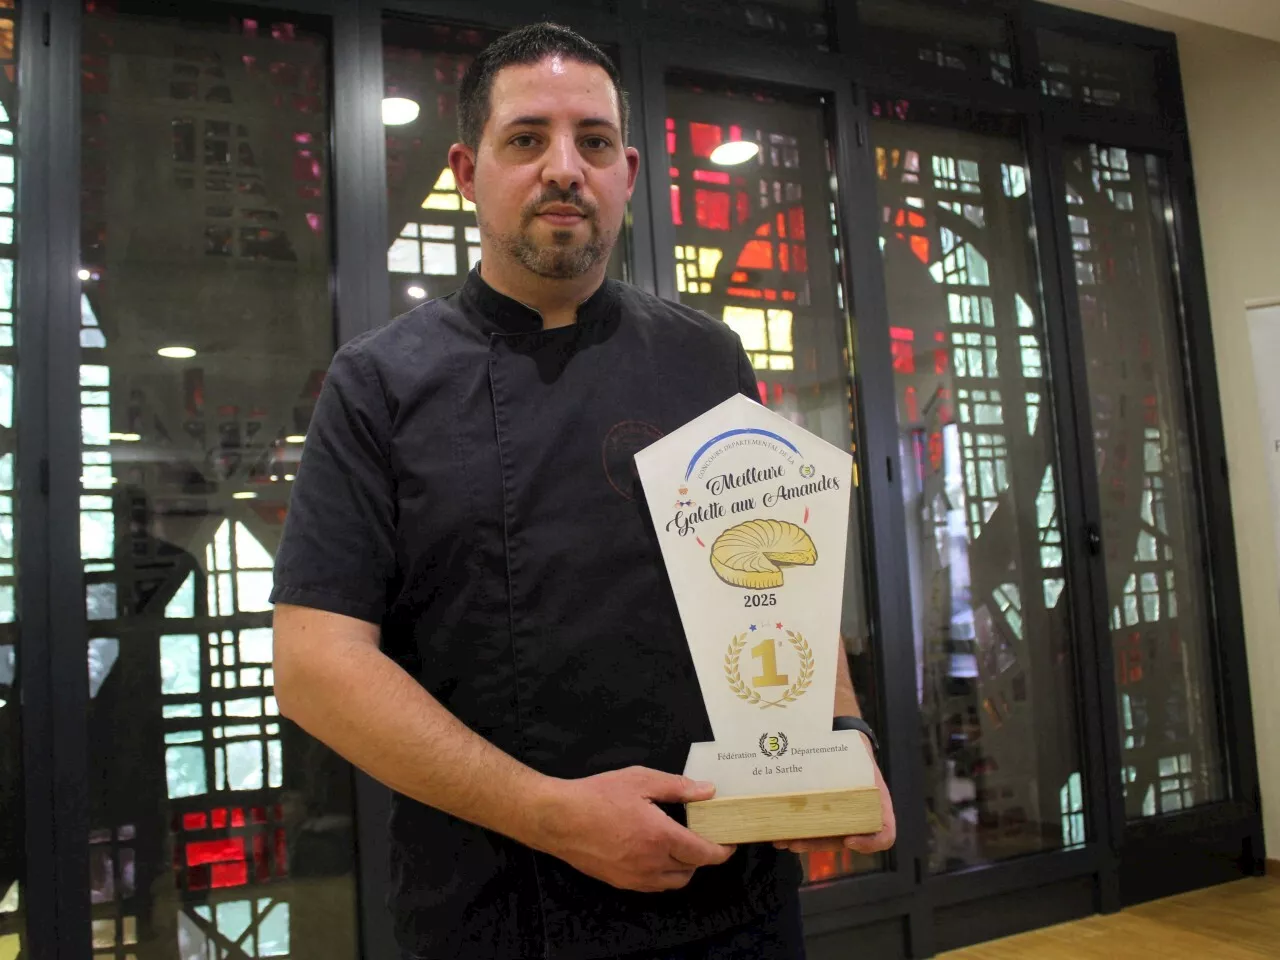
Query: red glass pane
x=757, y=255
x=711, y=176
x=796, y=217
x=676, y=216
x=703, y=138
x=712, y=208
x=229, y=875
x=215, y=851
x=904, y=358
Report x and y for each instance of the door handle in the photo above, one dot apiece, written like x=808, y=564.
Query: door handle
x=1093, y=539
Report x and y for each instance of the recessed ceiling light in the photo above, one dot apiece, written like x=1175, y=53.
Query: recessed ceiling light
x=399, y=110
x=125, y=437
x=289, y=476
x=176, y=353
x=243, y=495
x=734, y=152
x=295, y=438
x=84, y=274
x=416, y=292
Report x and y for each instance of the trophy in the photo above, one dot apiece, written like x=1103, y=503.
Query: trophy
x=752, y=515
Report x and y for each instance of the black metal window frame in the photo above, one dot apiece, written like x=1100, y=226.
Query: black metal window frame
x=901, y=911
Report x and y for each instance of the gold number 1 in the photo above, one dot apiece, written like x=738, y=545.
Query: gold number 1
x=767, y=653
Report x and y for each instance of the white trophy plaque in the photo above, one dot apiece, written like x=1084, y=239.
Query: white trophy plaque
x=752, y=514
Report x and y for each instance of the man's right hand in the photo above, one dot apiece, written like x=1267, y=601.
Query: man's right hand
x=609, y=827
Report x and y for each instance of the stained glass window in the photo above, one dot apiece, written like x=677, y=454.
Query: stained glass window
x=12, y=802
x=1160, y=627
x=435, y=240
x=758, y=247
x=218, y=829
x=995, y=678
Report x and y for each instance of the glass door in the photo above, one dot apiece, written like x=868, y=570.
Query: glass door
x=995, y=657
x=216, y=828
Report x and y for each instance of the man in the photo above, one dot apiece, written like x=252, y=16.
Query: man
x=471, y=603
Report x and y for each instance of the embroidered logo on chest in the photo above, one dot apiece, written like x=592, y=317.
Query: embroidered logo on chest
x=623, y=441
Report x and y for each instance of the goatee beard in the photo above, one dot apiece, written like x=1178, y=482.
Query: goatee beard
x=561, y=259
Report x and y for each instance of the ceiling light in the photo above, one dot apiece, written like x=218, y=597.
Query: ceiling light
x=295, y=438
x=176, y=353
x=289, y=476
x=397, y=111
x=243, y=495
x=734, y=152
x=125, y=437
x=416, y=292
x=84, y=274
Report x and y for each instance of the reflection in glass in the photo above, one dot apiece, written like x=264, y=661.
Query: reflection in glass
x=205, y=213
x=757, y=247
x=801, y=22
x=434, y=239
x=12, y=799
x=980, y=475
x=1126, y=274
x=1100, y=74
x=917, y=36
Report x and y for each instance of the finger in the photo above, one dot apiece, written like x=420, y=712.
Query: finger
x=673, y=788
x=689, y=848
x=875, y=843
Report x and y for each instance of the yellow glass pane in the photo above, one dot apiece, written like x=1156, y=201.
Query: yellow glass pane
x=747, y=323
x=780, y=332
x=445, y=181
x=781, y=363
x=10, y=944
x=706, y=288
x=442, y=201
x=689, y=253
x=467, y=204
x=708, y=260
x=680, y=284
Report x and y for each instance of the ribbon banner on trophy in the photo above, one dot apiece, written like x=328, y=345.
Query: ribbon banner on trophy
x=752, y=515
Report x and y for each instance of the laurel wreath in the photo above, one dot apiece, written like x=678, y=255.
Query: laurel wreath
x=764, y=737
x=734, y=675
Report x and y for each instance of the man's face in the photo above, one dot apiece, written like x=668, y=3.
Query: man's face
x=551, y=177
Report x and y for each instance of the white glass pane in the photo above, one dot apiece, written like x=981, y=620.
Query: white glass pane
x=403, y=257
x=439, y=259
x=179, y=664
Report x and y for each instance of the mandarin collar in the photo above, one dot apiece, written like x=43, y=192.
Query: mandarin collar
x=496, y=313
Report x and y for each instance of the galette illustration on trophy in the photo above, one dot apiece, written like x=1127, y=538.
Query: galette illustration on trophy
x=755, y=549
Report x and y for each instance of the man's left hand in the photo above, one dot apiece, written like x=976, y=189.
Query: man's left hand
x=866, y=843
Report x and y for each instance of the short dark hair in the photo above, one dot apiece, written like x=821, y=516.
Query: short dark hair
x=527, y=45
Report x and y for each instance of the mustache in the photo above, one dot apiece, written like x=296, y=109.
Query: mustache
x=552, y=195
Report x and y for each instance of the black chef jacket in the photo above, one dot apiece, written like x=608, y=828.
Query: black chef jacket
x=467, y=484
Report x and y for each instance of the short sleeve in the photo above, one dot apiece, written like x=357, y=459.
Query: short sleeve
x=748, y=386
x=337, y=552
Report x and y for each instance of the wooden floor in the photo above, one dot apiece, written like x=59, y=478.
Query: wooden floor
x=1236, y=921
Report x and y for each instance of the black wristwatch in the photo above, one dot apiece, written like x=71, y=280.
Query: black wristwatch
x=857, y=723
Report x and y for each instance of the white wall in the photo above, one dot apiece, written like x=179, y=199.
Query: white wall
x=1232, y=86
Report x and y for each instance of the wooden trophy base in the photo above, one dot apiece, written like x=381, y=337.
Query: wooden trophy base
x=787, y=816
